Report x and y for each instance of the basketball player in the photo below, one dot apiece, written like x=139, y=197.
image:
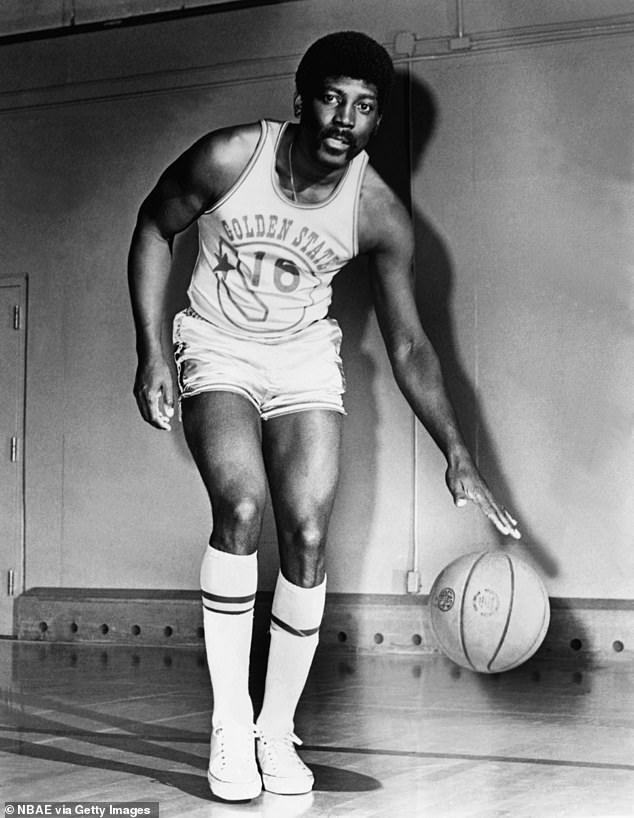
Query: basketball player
x=281, y=208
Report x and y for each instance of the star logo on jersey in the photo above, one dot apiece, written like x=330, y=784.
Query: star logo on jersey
x=224, y=265
x=237, y=285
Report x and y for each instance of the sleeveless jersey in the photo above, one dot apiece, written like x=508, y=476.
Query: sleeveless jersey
x=265, y=264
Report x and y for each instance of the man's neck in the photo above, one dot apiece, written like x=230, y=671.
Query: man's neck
x=302, y=177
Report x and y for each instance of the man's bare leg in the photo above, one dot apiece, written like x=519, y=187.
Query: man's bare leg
x=302, y=458
x=223, y=433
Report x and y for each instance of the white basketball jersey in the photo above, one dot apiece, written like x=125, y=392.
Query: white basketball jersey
x=265, y=264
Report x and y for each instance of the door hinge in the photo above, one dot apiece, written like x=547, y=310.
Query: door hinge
x=17, y=317
x=14, y=449
x=11, y=582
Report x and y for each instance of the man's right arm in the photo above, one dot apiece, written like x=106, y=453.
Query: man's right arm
x=185, y=190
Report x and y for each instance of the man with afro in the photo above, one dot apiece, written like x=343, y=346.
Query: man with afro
x=281, y=208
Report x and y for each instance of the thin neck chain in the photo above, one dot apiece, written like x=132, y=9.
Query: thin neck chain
x=290, y=171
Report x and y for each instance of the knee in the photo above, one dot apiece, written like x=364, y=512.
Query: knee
x=244, y=513
x=309, y=538
x=237, y=524
x=303, y=555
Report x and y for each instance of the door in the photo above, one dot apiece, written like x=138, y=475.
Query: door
x=12, y=386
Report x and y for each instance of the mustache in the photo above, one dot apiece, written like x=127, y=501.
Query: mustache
x=337, y=133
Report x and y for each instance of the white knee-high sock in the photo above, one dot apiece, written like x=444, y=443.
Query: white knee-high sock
x=295, y=619
x=228, y=584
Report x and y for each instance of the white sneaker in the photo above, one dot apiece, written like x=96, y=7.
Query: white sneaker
x=283, y=771
x=233, y=773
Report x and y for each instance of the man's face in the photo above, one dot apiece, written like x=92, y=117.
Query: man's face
x=340, y=119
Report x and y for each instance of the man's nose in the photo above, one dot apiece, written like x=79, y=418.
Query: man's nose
x=344, y=114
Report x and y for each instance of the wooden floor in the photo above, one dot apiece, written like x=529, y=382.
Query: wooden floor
x=385, y=735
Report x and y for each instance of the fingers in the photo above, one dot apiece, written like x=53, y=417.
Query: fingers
x=501, y=519
x=157, y=406
x=161, y=412
x=168, y=398
x=491, y=509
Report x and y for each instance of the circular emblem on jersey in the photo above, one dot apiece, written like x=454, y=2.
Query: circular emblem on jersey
x=486, y=602
x=445, y=599
x=267, y=289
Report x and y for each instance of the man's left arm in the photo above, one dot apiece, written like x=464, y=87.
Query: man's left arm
x=414, y=360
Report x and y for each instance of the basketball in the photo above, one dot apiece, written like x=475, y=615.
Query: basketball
x=489, y=611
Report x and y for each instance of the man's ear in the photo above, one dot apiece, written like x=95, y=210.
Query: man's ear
x=378, y=122
x=297, y=105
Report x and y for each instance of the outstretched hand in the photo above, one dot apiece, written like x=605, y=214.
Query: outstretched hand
x=466, y=484
x=154, y=393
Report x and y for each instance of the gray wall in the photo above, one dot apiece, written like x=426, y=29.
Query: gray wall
x=522, y=201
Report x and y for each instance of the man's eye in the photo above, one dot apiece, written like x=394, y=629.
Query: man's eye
x=330, y=99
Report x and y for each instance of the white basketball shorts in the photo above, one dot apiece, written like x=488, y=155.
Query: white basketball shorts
x=292, y=374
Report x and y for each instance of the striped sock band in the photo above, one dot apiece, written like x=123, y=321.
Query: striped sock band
x=228, y=604
x=277, y=623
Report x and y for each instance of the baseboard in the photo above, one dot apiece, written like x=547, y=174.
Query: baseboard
x=374, y=623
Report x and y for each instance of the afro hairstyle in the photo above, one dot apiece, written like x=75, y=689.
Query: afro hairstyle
x=345, y=54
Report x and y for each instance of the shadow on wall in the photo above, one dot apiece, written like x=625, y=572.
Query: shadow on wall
x=352, y=306
x=409, y=124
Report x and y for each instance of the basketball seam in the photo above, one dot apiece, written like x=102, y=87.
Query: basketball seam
x=508, y=614
x=463, y=643
x=540, y=635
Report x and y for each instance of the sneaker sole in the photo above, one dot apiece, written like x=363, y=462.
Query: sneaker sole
x=287, y=786
x=234, y=790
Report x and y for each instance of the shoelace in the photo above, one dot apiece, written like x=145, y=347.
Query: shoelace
x=280, y=749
